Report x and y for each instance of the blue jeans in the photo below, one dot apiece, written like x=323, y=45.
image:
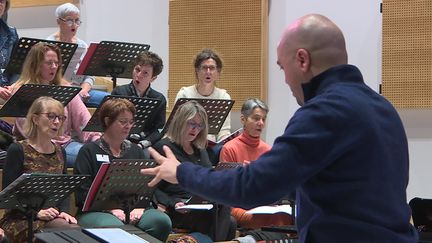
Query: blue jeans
x=96, y=97
x=72, y=150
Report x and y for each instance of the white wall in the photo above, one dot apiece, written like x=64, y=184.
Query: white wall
x=146, y=21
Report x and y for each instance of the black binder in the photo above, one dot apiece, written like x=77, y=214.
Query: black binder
x=23, y=46
x=19, y=104
x=30, y=193
x=111, y=58
x=145, y=108
x=217, y=111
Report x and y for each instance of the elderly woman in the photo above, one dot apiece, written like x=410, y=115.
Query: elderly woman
x=117, y=118
x=208, y=67
x=187, y=138
x=68, y=20
x=42, y=66
x=245, y=148
x=8, y=38
x=38, y=153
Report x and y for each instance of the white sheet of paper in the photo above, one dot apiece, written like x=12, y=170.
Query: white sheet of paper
x=196, y=207
x=270, y=209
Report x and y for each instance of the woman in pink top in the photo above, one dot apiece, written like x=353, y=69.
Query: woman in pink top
x=245, y=148
x=43, y=66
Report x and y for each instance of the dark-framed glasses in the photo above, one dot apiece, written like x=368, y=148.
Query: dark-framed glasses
x=70, y=22
x=125, y=121
x=194, y=125
x=52, y=116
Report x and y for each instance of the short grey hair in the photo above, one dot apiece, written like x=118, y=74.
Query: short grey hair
x=250, y=104
x=66, y=9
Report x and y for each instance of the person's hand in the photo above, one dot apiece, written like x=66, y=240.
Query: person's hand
x=135, y=215
x=180, y=204
x=85, y=96
x=5, y=92
x=2, y=234
x=167, y=169
x=69, y=218
x=119, y=214
x=84, y=93
x=47, y=214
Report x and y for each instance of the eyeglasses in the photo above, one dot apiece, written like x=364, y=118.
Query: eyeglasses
x=52, y=116
x=70, y=22
x=194, y=125
x=205, y=68
x=126, y=121
x=51, y=63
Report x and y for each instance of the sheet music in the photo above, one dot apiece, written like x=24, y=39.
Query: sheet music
x=74, y=63
x=196, y=207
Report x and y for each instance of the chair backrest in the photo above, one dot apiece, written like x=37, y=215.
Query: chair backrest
x=422, y=213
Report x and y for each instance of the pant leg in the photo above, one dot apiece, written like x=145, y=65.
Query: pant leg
x=98, y=219
x=96, y=97
x=72, y=150
x=155, y=223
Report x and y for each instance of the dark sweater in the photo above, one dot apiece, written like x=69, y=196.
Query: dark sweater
x=87, y=164
x=155, y=122
x=169, y=194
x=345, y=152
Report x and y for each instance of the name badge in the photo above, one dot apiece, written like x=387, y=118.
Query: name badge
x=102, y=157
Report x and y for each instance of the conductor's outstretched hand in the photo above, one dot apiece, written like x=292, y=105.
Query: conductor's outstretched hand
x=167, y=169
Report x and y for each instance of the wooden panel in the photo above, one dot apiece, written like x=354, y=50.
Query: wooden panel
x=407, y=53
x=236, y=29
x=36, y=3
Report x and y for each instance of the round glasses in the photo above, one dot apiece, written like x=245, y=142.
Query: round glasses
x=70, y=22
x=52, y=116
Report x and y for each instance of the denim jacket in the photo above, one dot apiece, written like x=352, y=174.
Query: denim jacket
x=8, y=38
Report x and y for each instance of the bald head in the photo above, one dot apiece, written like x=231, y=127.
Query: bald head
x=322, y=39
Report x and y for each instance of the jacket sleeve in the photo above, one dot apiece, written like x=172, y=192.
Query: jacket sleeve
x=79, y=117
x=84, y=165
x=14, y=164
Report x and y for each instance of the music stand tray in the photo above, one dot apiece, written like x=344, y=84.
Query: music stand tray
x=111, y=58
x=20, y=102
x=217, y=111
x=120, y=184
x=23, y=46
x=145, y=108
x=30, y=193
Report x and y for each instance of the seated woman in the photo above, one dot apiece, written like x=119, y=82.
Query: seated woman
x=68, y=20
x=148, y=66
x=117, y=118
x=39, y=154
x=43, y=66
x=187, y=138
x=208, y=67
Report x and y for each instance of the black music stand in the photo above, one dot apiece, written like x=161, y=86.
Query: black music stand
x=30, y=193
x=110, y=58
x=217, y=111
x=145, y=108
x=20, y=102
x=122, y=186
x=23, y=46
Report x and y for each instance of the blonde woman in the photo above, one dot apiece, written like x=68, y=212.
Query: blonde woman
x=38, y=153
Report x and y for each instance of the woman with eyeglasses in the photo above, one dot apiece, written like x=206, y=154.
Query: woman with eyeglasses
x=37, y=154
x=208, y=67
x=43, y=66
x=8, y=38
x=187, y=138
x=68, y=20
x=117, y=118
